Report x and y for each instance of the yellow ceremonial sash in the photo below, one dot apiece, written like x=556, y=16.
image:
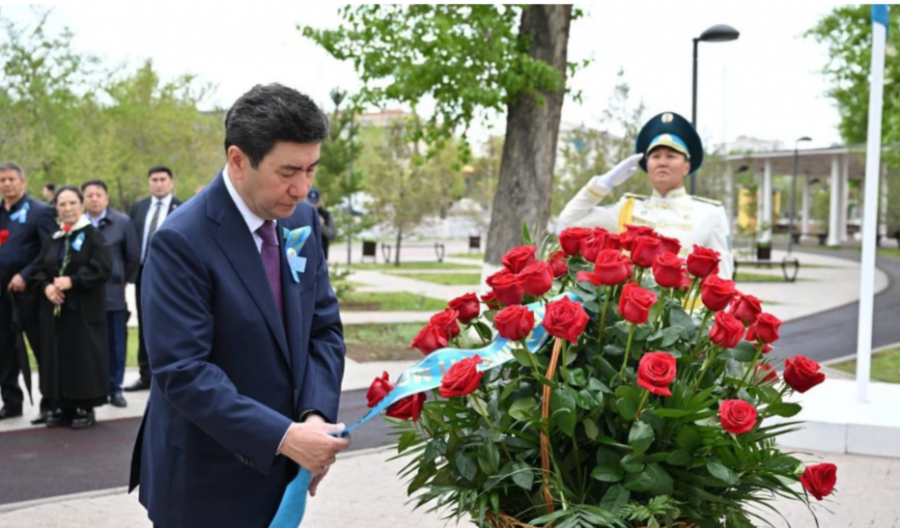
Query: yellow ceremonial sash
x=625, y=214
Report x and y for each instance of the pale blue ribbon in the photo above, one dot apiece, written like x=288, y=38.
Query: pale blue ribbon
x=78, y=242
x=293, y=244
x=425, y=375
x=21, y=215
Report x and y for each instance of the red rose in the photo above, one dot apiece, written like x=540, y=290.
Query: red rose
x=737, y=416
x=565, y=319
x=4, y=236
x=716, y=293
x=66, y=228
x=766, y=328
x=430, y=339
x=446, y=321
x=570, y=239
x=491, y=300
x=514, y=322
x=702, y=262
x=613, y=242
x=644, y=251
x=726, y=330
x=507, y=287
x=408, y=408
x=767, y=372
x=462, y=378
x=632, y=232
x=594, y=244
x=517, y=258
x=635, y=303
x=667, y=270
x=537, y=278
x=802, y=374
x=819, y=479
x=672, y=245
x=685, y=282
x=467, y=306
x=379, y=389
x=746, y=308
x=656, y=371
x=558, y=264
x=612, y=267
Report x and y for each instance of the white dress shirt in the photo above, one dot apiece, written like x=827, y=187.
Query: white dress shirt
x=163, y=213
x=253, y=221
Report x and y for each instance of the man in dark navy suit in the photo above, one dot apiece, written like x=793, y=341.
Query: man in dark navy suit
x=147, y=216
x=29, y=223
x=243, y=333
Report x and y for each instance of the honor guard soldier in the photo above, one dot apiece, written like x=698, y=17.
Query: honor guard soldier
x=668, y=149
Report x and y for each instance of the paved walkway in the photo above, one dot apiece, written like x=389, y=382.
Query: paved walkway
x=362, y=490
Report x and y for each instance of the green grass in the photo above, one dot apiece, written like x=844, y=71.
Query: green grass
x=446, y=279
x=472, y=256
x=390, y=302
x=431, y=265
x=885, y=366
x=743, y=276
x=400, y=334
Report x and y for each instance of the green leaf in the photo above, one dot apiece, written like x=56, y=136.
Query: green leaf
x=607, y=473
x=615, y=498
x=679, y=457
x=670, y=336
x=524, y=410
x=671, y=413
x=640, y=437
x=589, y=401
x=680, y=319
x=641, y=333
x=598, y=386
x=613, y=350
x=577, y=377
x=489, y=458
x=661, y=481
x=562, y=409
x=523, y=357
x=407, y=440
x=466, y=466
x=523, y=475
x=744, y=352
x=627, y=407
x=591, y=429
x=641, y=482
x=718, y=470
x=688, y=438
x=526, y=235
x=785, y=410
x=626, y=391
x=632, y=463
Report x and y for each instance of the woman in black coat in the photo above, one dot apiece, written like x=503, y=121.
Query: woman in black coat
x=72, y=271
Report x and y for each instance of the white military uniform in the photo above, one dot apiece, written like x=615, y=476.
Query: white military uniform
x=690, y=219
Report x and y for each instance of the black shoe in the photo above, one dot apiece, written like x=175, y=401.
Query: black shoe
x=41, y=418
x=7, y=412
x=141, y=384
x=117, y=400
x=83, y=418
x=59, y=418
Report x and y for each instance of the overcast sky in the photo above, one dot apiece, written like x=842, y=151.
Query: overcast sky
x=766, y=84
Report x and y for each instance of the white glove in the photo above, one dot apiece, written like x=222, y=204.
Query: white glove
x=617, y=175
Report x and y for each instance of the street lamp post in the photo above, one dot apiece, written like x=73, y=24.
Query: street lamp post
x=794, y=192
x=717, y=33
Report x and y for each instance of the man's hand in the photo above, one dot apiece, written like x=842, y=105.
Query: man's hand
x=17, y=284
x=311, y=445
x=618, y=174
x=63, y=283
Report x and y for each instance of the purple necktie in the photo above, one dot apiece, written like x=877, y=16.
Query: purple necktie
x=271, y=260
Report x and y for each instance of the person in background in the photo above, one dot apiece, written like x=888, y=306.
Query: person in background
x=329, y=232
x=48, y=191
x=72, y=271
x=121, y=239
x=147, y=215
x=28, y=224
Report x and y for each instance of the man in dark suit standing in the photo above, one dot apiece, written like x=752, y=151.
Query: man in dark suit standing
x=243, y=330
x=27, y=223
x=147, y=216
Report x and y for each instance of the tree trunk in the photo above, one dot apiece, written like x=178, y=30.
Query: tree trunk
x=529, y=151
x=397, y=248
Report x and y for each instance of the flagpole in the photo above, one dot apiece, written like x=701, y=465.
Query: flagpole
x=870, y=220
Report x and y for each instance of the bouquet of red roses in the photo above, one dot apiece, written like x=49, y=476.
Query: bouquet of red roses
x=648, y=407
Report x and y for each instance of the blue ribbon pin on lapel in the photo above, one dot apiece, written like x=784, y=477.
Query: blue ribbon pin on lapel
x=21, y=215
x=78, y=242
x=293, y=244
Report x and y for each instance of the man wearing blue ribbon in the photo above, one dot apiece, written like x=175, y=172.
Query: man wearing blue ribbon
x=27, y=223
x=243, y=332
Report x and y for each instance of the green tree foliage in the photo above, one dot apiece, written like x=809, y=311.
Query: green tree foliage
x=67, y=119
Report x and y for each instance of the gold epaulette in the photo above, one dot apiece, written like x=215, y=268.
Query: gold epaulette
x=708, y=200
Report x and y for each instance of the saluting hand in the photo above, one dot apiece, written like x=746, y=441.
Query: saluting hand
x=618, y=174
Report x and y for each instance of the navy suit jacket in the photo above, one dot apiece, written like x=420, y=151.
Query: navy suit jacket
x=228, y=376
x=25, y=240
